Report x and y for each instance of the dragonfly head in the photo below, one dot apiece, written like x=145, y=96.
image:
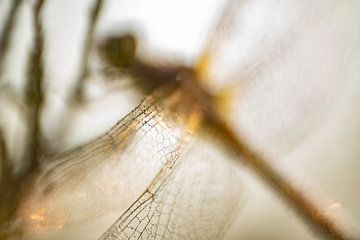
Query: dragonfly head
x=119, y=51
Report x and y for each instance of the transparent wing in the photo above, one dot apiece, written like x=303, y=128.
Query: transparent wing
x=86, y=183
x=82, y=193
x=285, y=65
x=197, y=201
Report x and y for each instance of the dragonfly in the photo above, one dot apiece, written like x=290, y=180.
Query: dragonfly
x=160, y=130
x=152, y=136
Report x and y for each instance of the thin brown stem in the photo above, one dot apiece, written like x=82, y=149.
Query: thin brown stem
x=4, y=158
x=7, y=31
x=314, y=215
x=7, y=188
x=77, y=96
x=34, y=91
x=89, y=38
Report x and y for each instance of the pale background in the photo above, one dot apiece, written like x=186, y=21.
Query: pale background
x=327, y=159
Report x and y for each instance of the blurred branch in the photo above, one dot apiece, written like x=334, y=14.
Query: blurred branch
x=7, y=187
x=89, y=39
x=77, y=96
x=4, y=158
x=34, y=91
x=6, y=34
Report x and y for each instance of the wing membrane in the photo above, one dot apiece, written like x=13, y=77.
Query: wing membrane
x=104, y=176
x=284, y=83
x=197, y=199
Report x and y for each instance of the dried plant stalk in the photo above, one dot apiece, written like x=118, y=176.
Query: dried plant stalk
x=34, y=92
x=7, y=32
x=7, y=188
x=88, y=43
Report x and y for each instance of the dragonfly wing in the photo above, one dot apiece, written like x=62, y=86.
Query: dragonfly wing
x=287, y=68
x=102, y=178
x=197, y=201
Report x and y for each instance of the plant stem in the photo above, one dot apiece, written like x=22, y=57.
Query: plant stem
x=34, y=91
x=7, y=188
x=89, y=39
x=7, y=32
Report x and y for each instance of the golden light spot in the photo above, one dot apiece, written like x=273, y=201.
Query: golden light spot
x=194, y=122
x=38, y=216
x=203, y=66
x=225, y=100
x=39, y=221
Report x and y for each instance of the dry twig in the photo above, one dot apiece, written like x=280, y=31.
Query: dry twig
x=89, y=39
x=7, y=32
x=34, y=91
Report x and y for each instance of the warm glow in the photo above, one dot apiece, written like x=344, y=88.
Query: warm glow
x=41, y=221
x=38, y=216
x=203, y=66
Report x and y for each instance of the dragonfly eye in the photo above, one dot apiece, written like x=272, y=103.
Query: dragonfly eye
x=119, y=51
